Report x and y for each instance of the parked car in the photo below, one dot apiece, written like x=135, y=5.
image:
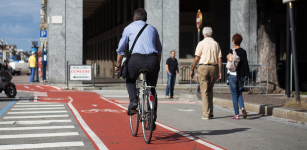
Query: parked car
x=19, y=68
x=302, y=75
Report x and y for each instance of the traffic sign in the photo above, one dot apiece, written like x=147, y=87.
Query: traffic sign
x=43, y=35
x=287, y=1
x=199, y=19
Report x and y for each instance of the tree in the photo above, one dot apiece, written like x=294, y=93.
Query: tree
x=266, y=44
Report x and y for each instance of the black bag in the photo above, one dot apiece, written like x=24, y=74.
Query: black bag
x=124, y=68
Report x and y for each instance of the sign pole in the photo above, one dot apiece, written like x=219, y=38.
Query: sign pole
x=288, y=55
x=199, y=20
x=293, y=45
x=45, y=64
x=93, y=74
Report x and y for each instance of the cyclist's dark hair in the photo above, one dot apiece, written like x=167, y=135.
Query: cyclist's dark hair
x=140, y=14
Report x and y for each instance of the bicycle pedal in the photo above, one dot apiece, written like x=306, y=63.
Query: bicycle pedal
x=133, y=111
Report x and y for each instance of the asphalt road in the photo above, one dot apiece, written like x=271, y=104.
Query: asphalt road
x=255, y=132
x=98, y=119
x=27, y=124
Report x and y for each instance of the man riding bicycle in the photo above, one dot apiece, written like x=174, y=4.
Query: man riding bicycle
x=146, y=54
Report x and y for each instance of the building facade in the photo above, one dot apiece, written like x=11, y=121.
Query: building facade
x=84, y=31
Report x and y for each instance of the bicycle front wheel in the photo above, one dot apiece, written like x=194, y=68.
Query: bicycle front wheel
x=147, y=121
x=134, y=124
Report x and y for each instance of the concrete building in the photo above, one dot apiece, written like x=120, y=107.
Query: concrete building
x=83, y=31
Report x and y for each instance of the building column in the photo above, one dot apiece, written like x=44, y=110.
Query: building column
x=243, y=20
x=164, y=16
x=65, y=41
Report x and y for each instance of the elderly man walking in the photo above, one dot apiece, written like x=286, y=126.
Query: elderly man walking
x=209, y=55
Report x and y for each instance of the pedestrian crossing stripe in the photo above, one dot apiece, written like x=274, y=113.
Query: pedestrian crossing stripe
x=38, y=116
x=44, y=108
x=38, y=135
x=36, y=128
x=34, y=122
x=42, y=145
x=37, y=112
x=37, y=105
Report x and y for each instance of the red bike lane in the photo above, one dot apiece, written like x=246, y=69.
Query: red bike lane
x=106, y=123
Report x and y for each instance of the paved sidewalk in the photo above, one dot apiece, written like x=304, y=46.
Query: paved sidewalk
x=263, y=104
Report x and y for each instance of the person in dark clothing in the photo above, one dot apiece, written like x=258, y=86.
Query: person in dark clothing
x=236, y=78
x=145, y=55
x=171, y=68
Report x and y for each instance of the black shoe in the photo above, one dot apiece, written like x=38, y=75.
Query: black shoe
x=211, y=115
x=132, y=107
x=154, y=127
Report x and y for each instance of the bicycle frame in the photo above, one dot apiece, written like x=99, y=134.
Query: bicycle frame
x=142, y=90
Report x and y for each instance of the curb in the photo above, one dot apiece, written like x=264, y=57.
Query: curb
x=124, y=88
x=270, y=110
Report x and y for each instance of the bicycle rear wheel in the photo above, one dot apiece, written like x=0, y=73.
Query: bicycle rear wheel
x=147, y=120
x=134, y=123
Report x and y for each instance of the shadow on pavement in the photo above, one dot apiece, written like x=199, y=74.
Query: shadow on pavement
x=216, y=132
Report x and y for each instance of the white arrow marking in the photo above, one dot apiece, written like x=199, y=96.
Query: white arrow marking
x=39, y=87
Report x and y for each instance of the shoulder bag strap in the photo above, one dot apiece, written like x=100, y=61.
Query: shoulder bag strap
x=137, y=37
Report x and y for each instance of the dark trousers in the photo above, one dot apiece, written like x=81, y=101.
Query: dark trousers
x=136, y=63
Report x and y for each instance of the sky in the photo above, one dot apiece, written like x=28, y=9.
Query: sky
x=20, y=22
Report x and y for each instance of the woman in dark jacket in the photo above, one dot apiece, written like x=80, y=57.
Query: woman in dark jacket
x=236, y=78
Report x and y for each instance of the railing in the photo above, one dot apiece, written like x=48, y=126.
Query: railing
x=249, y=83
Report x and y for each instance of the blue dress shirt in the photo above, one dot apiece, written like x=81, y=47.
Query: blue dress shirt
x=148, y=42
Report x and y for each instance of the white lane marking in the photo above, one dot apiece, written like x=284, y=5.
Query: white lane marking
x=113, y=103
x=94, y=137
x=56, y=87
x=26, y=87
x=161, y=102
x=102, y=110
x=38, y=105
x=94, y=105
x=35, y=98
x=34, y=103
x=37, y=112
x=40, y=116
x=41, y=94
x=38, y=135
x=40, y=87
x=53, y=108
x=33, y=122
x=56, y=99
x=174, y=130
x=42, y=145
x=37, y=128
x=189, y=136
x=186, y=109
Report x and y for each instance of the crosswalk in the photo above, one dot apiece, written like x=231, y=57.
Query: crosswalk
x=38, y=125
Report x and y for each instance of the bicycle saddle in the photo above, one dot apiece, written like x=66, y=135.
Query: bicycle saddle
x=144, y=70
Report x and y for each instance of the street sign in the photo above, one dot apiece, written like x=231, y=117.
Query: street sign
x=199, y=19
x=43, y=35
x=287, y=1
x=80, y=72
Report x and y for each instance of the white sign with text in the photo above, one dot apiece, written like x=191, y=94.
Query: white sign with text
x=80, y=72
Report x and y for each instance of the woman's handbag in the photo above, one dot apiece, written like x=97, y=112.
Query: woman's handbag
x=232, y=66
x=124, y=68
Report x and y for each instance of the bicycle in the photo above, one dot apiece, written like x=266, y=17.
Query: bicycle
x=145, y=110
